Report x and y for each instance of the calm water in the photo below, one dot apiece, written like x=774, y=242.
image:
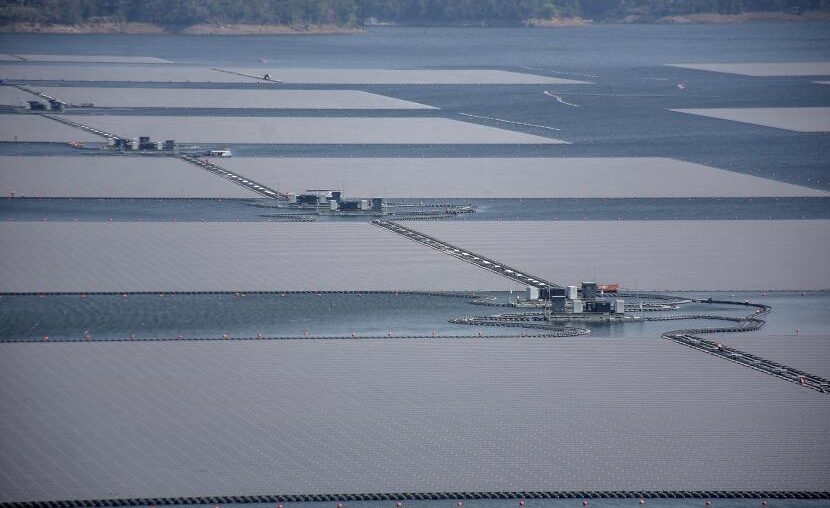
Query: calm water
x=107, y=317
x=229, y=210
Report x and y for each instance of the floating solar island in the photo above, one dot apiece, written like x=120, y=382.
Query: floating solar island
x=563, y=386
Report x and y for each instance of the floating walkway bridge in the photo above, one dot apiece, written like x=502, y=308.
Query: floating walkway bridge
x=233, y=177
x=691, y=337
x=687, y=337
x=78, y=125
x=466, y=255
x=216, y=169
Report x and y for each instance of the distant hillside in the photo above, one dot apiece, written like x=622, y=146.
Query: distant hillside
x=353, y=13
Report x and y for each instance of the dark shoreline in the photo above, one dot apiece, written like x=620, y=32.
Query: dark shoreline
x=330, y=29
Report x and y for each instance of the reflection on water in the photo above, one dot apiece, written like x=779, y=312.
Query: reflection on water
x=106, y=317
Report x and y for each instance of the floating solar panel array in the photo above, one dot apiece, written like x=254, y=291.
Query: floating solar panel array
x=794, y=119
x=32, y=57
x=313, y=130
x=403, y=76
x=111, y=177
x=102, y=420
x=662, y=254
x=188, y=257
x=269, y=98
x=513, y=177
x=764, y=69
x=13, y=96
x=808, y=353
x=35, y=128
x=119, y=72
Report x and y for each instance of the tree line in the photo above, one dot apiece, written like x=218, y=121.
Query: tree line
x=355, y=12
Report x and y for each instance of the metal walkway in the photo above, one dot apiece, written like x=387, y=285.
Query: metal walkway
x=770, y=367
x=233, y=177
x=245, y=74
x=37, y=93
x=202, y=163
x=498, y=267
x=81, y=126
x=691, y=337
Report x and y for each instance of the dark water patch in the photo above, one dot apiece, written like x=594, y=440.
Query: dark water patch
x=105, y=317
x=168, y=316
x=576, y=50
x=246, y=210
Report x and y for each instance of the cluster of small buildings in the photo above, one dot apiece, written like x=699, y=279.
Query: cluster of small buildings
x=589, y=299
x=141, y=143
x=50, y=105
x=332, y=200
